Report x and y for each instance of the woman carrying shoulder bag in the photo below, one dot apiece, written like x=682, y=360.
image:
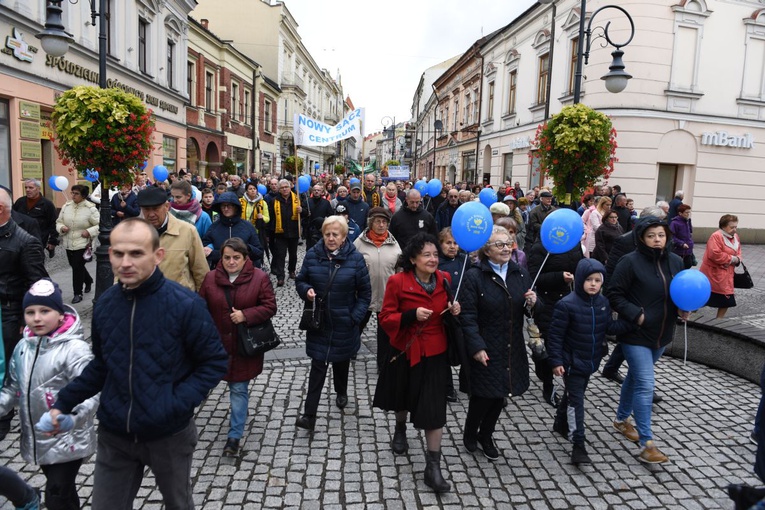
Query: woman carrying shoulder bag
x=238, y=292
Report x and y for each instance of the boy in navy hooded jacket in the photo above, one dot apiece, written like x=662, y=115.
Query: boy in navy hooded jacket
x=576, y=345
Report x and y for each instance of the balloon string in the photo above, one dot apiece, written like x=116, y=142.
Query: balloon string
x=462, y=276
x=540, y=270
x=685, y=332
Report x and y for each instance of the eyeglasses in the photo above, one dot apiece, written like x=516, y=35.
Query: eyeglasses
x=500, y=244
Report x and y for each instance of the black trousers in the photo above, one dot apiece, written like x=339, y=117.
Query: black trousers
x=482, y=417
x=571, y=407
x=80, y=275
x=281, y=246
x=316, y=382
x=60, y=488
x=615, y=361
x=12, y=322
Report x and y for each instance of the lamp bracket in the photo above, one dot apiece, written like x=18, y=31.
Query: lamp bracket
x=602, y=32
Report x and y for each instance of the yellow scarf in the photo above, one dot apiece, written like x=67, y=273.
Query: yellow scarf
x=278, y=212
x=375, y=197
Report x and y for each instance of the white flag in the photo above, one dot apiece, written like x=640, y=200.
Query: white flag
x=310, y=132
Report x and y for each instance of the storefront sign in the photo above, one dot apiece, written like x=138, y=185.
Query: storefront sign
x=31, y=150
x=31, y=170
x=16, y=45
x=78, y=71
x=29, y=110
x=46, y=131
x=30, y=130
x=723, y=139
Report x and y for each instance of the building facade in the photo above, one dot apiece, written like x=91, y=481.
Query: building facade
x=146, y=44
x=679, y=125
x=268, y=33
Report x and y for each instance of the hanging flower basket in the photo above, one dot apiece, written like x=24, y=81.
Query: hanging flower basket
x=106, y=130
x=576, y=149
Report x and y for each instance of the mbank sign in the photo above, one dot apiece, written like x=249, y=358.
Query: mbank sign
x=723, y=139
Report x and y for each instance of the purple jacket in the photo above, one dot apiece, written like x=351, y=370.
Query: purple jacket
x=682, y=233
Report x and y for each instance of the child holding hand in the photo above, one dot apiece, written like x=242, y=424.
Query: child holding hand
x=576, y=345
x=52, y=353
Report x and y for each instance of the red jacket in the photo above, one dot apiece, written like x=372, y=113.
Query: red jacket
x=253, y=294
x=403, y=295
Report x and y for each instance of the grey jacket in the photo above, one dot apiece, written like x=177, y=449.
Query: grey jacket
x=381, y=264
x=39, y=368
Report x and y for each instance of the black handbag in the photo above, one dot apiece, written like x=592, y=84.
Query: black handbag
x=742, y=280
x=456, y=349
x=254, y=340
x=315, y=312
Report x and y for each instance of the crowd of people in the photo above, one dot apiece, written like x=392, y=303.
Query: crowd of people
x=205, y=252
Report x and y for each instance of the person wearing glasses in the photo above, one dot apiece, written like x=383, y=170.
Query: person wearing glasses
x=77, y=224
x=606, y=235
x=412, y=219
x=494, y=298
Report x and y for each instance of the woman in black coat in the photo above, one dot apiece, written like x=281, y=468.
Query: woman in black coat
x=606, y=235
x=639, y=292
x=554, y=282
x=346, y=301
x=494, y=297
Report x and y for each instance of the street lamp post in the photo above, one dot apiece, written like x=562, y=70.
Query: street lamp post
x=389, y=123
x=617, y=77
x=55, y=41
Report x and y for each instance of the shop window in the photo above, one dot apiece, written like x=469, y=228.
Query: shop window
x=169, y=153
x=665, y=184
x=5, y=144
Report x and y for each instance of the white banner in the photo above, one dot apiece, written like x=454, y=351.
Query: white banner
x=311, y=133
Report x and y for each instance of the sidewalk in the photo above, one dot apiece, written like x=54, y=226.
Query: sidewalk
x=703, y=426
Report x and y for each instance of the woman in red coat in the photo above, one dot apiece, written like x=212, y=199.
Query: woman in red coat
x=252, y=302
x=721, y=256
x=416, y=378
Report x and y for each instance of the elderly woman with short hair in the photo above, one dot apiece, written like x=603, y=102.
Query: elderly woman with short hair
x=495, y=297
x=77, y=224
x=334, y=271
x=721, y=256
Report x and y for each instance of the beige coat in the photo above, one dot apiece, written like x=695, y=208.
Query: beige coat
x=381, y=263
x=77, y=217
x=184, y=261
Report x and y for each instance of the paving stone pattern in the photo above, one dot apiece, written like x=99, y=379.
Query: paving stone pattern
x=703, y=426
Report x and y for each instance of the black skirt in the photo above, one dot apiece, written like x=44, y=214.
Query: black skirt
x=721, y=300
x=420, y=390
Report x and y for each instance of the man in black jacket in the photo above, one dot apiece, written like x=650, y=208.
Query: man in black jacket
x=537, y=217
x=36, y=206
x=284, y=211
x=315, y=209
x=21, y=264
x=411, y=219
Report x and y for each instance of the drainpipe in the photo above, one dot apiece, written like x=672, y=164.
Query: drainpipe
x=255, y=123
x=478, y=131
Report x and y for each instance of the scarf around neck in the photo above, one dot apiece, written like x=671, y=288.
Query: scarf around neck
x=189, y=213
x=377, y=239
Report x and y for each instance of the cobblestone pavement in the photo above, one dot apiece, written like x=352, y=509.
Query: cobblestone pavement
x=703, y=426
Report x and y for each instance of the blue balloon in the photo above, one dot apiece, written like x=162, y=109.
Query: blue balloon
x=91, y=175
x=303, y=183
x=422, y=187
x=690, y=289
x=316, y=166
x=434, y=187
x=561, y=231
x=262, y=189
x=471, y=226
x=52, y=183
x=160, y=173
x=488, y=196
x=144, y=165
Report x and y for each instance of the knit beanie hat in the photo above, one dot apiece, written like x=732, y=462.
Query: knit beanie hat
x=45, y=293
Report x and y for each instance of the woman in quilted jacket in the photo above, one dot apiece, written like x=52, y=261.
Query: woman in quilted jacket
x=346, y=299
x=252, y=302
x=77, y=225
x=495, y=297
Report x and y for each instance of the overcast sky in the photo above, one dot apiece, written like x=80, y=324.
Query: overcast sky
x=381, y=49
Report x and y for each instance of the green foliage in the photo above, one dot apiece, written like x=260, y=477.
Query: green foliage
x=392, y=162
x=576, y=148
x=228, y=166
x=107, y=130
x=293, y=165
x=339, y=169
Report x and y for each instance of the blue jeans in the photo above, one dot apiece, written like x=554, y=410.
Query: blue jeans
x=637, y=389
x=239, y=395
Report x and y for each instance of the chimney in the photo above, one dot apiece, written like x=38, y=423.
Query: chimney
x=205, y=23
